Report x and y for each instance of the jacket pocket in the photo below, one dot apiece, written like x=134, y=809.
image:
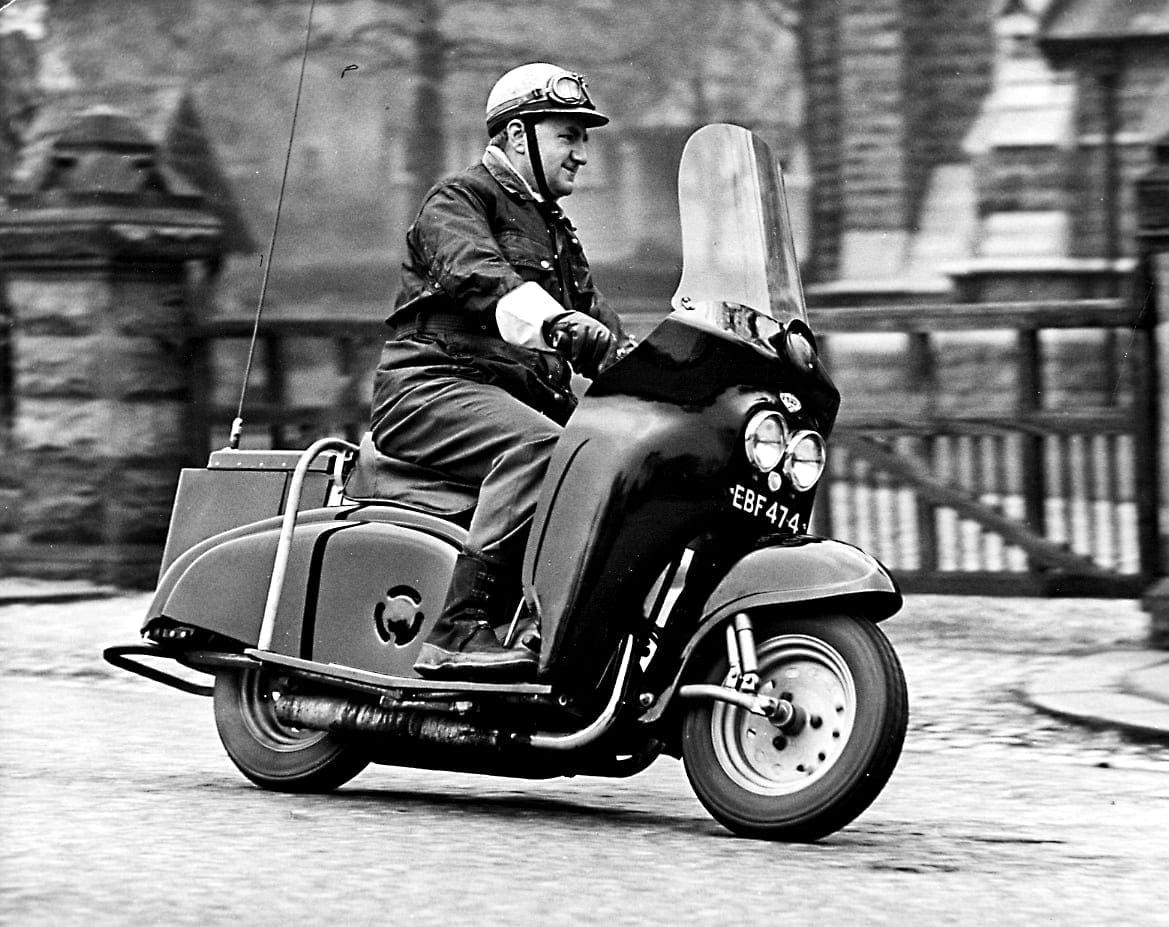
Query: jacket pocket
x=530, y=258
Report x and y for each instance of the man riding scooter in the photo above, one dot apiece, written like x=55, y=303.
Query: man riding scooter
x=308, y=593
x=496, y=302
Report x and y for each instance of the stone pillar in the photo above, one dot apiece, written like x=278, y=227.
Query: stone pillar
x=98, y=247
x=1152, y=194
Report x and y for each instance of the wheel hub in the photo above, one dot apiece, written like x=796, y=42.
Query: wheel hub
x=259, y=694
x=772, y=759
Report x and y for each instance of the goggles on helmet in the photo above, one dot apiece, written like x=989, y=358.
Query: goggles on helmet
x=564, y=89
x=569, y=89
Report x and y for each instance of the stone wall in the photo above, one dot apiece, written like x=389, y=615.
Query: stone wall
x=893, y=87
x=873, y=115
x=824, y=134
x=98, y=244
x=950, y=48
x=1139, y=96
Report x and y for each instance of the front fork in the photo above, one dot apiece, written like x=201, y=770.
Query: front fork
x=741, y=686
x=744, y=672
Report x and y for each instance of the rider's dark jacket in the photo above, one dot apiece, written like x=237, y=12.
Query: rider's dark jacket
x=479, y=235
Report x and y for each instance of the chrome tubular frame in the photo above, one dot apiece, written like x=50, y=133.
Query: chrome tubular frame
x=287, y=529
x=604, y=720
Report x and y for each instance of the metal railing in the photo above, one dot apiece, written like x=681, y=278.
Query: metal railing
x=1047, y=486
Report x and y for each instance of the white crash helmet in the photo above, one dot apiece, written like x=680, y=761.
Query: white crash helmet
x=540, y=89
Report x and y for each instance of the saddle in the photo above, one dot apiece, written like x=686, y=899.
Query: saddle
x=377, y=477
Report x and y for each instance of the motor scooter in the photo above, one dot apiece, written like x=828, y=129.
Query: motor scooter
x=685, y=610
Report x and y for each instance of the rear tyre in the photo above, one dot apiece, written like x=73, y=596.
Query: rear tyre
x=269, y=752
x=801, y=785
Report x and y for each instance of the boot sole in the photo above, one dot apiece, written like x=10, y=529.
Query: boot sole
x=436, y=663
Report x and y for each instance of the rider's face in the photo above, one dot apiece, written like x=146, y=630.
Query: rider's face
x=563, y=142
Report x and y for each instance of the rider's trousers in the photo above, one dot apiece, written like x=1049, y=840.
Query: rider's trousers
x=436, y=414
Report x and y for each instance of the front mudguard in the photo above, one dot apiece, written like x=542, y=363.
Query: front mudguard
x=815, y=575
x=805, y=569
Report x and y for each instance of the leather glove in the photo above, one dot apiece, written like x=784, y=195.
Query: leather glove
x=580, y=338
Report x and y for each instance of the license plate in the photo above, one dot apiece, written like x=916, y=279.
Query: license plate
x=762, y=506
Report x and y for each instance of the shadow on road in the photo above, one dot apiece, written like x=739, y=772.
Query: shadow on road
x=553, y=811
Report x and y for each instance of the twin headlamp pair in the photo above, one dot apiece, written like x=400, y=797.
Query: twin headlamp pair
x=772, y=449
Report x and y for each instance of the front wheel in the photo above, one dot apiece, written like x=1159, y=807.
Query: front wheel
x=270, y=753
x=805, y=783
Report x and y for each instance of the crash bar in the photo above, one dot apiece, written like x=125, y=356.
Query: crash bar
x=605, y=719
x=287, y=527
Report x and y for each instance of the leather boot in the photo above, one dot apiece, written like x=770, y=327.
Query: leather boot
x=462, y=644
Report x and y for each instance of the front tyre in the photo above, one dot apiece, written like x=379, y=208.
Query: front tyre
x=803, y=784
x=269, y=752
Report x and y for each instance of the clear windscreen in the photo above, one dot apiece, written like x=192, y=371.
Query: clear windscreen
x=739, y=271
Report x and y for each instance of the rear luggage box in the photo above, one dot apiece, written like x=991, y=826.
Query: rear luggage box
x=237, y=488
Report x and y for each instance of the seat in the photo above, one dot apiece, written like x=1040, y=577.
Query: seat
x=376, y=477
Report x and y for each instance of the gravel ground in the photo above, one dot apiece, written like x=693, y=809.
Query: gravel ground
x=941, y=640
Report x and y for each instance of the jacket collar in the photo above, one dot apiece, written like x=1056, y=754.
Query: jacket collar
x=507, y=176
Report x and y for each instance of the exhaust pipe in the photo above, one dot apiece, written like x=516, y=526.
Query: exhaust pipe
x=340, y=715
x=443, y=729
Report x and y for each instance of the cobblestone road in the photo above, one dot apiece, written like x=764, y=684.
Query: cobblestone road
x=117, y=806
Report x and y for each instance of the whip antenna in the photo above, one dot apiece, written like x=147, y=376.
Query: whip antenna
x=237, y=426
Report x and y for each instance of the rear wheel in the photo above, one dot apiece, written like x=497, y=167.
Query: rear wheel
x=801, y=784
x=273, y=754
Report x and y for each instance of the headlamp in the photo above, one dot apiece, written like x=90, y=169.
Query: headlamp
x=799, y=344
x=804, y=459
x=765, y=439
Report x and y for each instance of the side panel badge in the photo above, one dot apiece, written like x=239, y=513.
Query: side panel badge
x=397, y=617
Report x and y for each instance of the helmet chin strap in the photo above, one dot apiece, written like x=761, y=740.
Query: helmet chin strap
x=536, y=164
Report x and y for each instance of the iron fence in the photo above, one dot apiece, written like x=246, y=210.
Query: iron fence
x=1006, y=447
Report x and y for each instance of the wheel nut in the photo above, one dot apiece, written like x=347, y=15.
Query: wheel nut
x=779, y=742
x=816, y=721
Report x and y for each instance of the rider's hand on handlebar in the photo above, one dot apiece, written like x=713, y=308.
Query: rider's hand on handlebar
x=580, y=338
